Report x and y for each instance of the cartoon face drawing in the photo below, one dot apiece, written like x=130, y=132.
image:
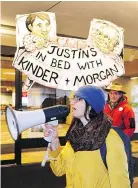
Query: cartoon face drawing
x=39, y=24
x=106, y=38
x=41, y=28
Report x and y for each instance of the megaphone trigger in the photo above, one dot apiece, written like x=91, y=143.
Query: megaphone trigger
x=51, y=131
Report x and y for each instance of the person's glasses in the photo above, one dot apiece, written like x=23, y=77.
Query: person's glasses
x=75, y=99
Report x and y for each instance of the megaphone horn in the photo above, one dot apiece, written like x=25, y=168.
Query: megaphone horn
x=18, y=121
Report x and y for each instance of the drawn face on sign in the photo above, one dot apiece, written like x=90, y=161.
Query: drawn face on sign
x=41, y=28
x=106, y=39
x=39, y=25
x=106, y=36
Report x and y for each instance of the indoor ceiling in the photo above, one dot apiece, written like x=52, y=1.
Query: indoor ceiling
x=73, y=19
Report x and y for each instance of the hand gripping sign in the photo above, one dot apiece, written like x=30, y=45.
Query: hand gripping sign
x=67, y=63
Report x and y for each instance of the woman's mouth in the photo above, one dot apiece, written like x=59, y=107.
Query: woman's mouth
x=73, y=109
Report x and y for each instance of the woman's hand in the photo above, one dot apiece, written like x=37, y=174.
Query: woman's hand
x=51, y=131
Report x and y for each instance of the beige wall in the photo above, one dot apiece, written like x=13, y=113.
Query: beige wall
x=8, y=40
x=128, y=86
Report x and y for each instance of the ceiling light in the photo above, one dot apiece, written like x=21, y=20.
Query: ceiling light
x=134, y=78
x=9, y=73
x=7, y=31
x=4, y=79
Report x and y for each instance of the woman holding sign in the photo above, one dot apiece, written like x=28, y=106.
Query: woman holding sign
x=81, y=159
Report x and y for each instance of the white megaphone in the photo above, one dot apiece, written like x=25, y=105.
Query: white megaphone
x=19, y=121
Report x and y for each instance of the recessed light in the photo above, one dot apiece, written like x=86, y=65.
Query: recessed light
x=134, y=78
x=3, y=78
x=6, y=31
x=9, y=73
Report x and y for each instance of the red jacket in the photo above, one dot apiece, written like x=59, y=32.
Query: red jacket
x=122, y=116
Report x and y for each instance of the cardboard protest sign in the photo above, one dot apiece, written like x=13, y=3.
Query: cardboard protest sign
x=67, y=63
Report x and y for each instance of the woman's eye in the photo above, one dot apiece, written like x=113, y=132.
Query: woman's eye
x=106, y=36
x=39, y=25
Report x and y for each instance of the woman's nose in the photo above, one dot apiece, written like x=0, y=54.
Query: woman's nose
x=72, y=102
x=44, y=28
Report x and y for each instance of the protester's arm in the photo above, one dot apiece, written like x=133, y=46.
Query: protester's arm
x=117, y=162
x=129, y=121
x=55, y=155
x=57, y=165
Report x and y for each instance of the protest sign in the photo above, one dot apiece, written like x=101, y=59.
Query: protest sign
x=67, y=63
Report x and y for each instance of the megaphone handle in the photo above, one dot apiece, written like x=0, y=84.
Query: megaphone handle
x=46, y=155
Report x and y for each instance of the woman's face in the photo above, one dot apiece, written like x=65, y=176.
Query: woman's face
x=78, y=107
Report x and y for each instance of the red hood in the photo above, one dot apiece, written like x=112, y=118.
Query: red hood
x=123, y=102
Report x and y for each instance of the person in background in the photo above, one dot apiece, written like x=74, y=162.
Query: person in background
x=119, y=110
x=80, y=159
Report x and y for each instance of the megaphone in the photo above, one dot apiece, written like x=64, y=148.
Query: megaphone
x=18, y=121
